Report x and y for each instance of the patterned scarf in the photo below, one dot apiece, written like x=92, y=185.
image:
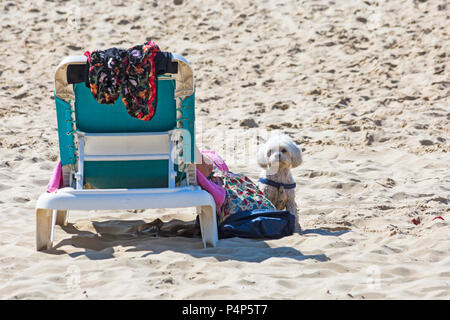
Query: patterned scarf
x=130, y=73
x=242, y=193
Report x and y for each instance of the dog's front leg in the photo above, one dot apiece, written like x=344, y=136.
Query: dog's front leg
x=291, y=206
x=269, y=192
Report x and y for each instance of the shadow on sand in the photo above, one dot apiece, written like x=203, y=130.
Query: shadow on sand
x=122, y=233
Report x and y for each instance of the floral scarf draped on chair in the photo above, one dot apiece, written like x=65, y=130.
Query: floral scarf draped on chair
x=130, y=73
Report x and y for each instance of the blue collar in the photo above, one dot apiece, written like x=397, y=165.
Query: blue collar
x=277, y=184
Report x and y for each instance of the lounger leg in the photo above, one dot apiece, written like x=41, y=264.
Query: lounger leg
x=61, y=219
x=52, y=232
x=43, y=229
x=208, y=226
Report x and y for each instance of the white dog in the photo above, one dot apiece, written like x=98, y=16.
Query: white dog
x=277, y=156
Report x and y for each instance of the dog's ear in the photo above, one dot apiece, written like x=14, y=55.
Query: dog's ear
x=296, y=155
x=261, y=157
x=294, y=151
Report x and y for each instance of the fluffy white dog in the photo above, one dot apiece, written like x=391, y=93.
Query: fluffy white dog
x=277, y=156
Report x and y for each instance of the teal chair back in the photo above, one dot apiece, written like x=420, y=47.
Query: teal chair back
x=92, y=117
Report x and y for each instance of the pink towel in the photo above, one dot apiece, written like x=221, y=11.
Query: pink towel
x=56, y=180
x=214, y=157
x=216, y=191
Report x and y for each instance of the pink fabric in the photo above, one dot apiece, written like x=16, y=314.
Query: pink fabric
x=216, y=191
x=214, y=157
x=56, y=181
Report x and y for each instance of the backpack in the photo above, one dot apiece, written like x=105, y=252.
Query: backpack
x=258, y=224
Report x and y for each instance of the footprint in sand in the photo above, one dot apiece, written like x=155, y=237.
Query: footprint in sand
x=4, y=187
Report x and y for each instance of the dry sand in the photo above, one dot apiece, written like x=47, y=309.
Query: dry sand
x=362, y=86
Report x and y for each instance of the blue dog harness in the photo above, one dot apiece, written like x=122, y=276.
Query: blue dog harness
x=277, y=184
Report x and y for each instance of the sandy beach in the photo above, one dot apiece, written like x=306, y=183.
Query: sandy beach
x=362, y=86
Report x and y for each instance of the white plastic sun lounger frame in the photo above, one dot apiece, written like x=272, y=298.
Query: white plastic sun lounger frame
x=53, y=208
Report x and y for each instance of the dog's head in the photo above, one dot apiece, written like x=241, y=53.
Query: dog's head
x=279, y=152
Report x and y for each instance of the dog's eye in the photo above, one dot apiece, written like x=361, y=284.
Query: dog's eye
x=283, y=150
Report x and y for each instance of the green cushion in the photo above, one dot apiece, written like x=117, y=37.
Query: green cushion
x=94, y=117
x=126, y=174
